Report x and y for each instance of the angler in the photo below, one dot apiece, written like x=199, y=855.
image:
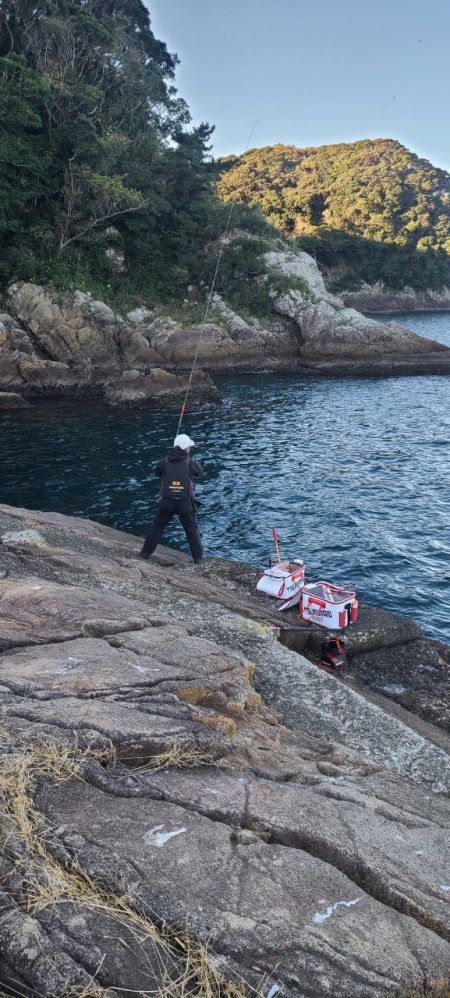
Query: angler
x=178, y=473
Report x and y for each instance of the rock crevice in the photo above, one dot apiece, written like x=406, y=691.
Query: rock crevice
x=137, y=759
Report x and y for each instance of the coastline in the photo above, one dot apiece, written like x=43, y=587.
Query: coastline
x=68, y=344
x=379, y=300
x=419, y=309
x=165, y=389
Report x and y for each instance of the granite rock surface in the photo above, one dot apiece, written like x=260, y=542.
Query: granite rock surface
x=187, y=803
x=336, y=337
x=379, y=298
x=67, y=343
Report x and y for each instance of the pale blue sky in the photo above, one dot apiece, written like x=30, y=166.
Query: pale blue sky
x=311, y=72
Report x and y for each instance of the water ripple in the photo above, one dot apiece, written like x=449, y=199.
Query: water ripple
x=355, y=474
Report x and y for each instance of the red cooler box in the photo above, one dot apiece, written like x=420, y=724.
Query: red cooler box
x=328, y=605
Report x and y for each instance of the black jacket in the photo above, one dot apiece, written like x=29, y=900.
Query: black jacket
x=175, y=455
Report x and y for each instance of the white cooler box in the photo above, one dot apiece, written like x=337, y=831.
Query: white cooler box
x=328, y=605
x=282, y=581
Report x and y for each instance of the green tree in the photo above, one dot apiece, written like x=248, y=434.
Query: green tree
x=101, y=138
x=25, y=162
x=98, y=160
x=368, y=194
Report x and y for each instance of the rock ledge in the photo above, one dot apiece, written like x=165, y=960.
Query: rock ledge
x=155, y=806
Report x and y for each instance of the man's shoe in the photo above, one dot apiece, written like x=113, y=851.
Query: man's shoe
x=143, y=554
x=198, y=561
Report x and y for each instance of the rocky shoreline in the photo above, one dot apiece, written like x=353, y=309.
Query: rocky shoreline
x=190, y=803
x=55, y=344
x=377, y=299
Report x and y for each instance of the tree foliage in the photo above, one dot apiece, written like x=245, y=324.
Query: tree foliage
x=103, y=179
x=97, y=156
x=371, y=207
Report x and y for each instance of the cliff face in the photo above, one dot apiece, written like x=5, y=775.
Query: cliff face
x=69, y=344
x=340, y=338
x=155, y=806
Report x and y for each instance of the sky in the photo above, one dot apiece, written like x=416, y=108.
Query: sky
x=313, y=72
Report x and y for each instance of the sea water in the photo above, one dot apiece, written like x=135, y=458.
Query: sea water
x=353, y=472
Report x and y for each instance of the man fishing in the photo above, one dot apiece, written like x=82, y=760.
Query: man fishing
x=178, y=473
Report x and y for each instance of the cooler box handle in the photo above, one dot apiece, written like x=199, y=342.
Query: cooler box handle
x=316, y=601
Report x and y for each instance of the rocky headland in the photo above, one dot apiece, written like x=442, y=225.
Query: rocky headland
x=378, y=298
x=68, y=344
x=190, y=806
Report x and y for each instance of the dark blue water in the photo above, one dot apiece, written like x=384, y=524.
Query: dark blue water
x=354, y=473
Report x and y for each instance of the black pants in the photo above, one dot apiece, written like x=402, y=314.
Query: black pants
x=167, y=509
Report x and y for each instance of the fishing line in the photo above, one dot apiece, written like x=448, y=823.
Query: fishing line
x=210, y=295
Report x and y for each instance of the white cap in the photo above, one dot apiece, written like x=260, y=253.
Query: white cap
x=183, y=441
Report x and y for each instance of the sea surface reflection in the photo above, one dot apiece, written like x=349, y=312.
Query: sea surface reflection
x=354, y=473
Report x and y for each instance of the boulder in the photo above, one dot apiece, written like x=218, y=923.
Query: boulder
x=136, y=352
x=158, y=387
x=53, y=377
x=13, y=337
x=138, y=316
x=271, y=341
x=303, y=269
x=331, y=331
x=176, y=344
x=11, y=400
x=69, y=343
x=65, y=327
x=230, y=342
x=15, y=345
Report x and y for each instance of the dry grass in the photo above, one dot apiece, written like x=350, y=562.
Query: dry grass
x=175, y=757
x=184, y=967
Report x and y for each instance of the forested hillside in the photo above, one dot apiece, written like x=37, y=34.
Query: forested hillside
x=370, y=209
x=103, y=183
